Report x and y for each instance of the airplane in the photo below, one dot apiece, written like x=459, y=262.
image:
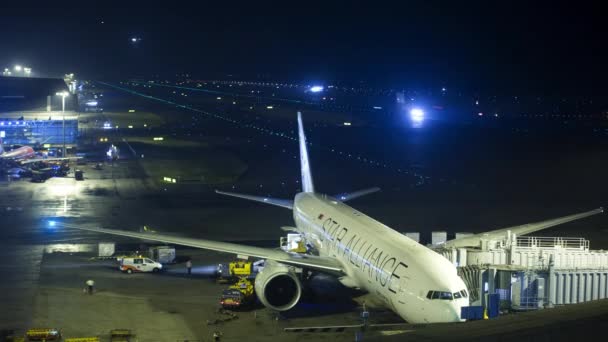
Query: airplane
x=417, y=283
x=25, y=155
x=20, y=153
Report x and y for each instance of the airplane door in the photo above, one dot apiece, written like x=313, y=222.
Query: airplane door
x=402, y=292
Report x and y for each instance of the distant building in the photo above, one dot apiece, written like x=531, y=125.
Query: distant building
x=36, y=129
x=30, y=112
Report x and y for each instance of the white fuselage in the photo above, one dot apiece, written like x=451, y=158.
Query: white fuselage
x=387, y=264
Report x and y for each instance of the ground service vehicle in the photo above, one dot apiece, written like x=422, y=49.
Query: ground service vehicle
x=234, y=270
x=40, y=176
x=131, y=265
x=238, y=295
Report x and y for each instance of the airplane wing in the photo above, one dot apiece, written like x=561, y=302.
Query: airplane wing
x=327, y=265
x=29, y=161
x=474, y=240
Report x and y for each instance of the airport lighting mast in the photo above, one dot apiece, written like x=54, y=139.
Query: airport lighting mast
x=63, y=95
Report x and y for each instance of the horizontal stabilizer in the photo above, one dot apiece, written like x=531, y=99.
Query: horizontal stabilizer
x=475, y=240
x=352, y=195
x=268, y=200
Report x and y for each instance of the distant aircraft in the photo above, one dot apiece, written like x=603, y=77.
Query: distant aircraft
x=25, y=155
x=414, y=281
x=20, y=153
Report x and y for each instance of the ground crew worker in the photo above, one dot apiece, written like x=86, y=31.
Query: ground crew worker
x=90, y=283
x=189, y=266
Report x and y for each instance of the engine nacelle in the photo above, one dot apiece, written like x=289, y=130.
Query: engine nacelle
x=278, y=286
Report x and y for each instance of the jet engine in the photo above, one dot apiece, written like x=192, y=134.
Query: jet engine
x=278, y=286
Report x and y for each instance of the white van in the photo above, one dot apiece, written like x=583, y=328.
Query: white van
x=139, y=264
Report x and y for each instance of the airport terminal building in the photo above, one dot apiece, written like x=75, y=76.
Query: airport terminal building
x=39, y=132
x=31, y=112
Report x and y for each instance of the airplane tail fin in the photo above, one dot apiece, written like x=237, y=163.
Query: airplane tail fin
x=1, y=146
x=307, y=185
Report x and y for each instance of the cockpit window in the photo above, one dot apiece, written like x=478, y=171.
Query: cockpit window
x=440, y=295
x=457, y=295
x=464, y=293
x=445, y=296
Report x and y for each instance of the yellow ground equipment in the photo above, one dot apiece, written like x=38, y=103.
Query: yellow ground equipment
x=121, y=335
x=240, y=268
x=238, y=295
x=43, y=334
x=233, y=271
x=301, y=247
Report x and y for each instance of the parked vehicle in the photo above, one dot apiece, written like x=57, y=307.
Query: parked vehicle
x=131, y=265
x=78, y=175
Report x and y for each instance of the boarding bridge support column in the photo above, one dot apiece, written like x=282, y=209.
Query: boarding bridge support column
x=603, y=285
x=595, y=293
x=552, y=278
x=487, y=284
x=581, y=287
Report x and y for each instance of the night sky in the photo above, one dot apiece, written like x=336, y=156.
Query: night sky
x=544, y=47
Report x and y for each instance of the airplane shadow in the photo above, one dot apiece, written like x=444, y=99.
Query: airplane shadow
x=323, y=295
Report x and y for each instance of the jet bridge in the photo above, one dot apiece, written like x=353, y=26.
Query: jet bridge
x=532, y=272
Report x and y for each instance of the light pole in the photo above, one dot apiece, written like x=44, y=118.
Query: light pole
x=63, y=96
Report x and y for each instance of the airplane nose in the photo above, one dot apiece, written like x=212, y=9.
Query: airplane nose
x=452, y=313
x=456, y=313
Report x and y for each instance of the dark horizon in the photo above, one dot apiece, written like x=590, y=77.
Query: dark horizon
x=529, y=48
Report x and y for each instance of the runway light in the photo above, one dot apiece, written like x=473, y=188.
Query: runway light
x=417, y=115
x=52, y=224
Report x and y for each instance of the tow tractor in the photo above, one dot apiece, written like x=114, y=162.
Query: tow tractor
x=238, y=295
